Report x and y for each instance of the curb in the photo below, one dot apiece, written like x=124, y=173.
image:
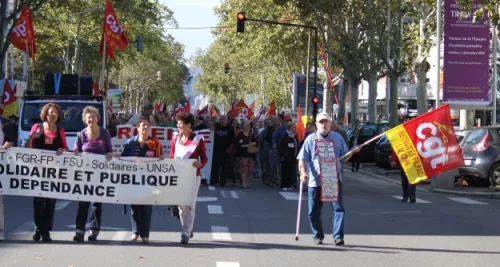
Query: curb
x=492, y=195
x=392, y=181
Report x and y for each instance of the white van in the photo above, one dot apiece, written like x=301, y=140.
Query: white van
x=71, y=109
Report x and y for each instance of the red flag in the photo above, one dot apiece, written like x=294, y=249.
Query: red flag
x=187, y=108
x=8, y=104
x=113, y=30
x=427, y=145
x=272, y=109
x=23, y=35
x=95, y=89
x=243, y=110
x=300, y=125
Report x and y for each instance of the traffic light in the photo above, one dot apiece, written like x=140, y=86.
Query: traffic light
x=315, y=101
x=241, y=18
x=226, y=68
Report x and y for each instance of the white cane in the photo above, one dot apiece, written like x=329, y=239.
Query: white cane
x=298, y=212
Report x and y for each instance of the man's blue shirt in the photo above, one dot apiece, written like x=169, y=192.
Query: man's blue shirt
x=309, y=154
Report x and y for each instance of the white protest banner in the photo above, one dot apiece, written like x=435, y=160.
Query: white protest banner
x=164, y=135
x=328, y=171
x=89, y=177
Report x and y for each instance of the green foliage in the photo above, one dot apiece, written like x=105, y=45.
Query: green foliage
x=274, y=50
x=81, y=21
x=488, y=7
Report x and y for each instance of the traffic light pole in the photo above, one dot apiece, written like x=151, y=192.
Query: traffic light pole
x=315, y=51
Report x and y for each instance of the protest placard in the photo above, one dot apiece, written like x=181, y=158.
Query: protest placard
x=89, y=177
x=329, y=171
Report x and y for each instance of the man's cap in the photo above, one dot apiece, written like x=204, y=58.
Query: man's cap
x=323, y=116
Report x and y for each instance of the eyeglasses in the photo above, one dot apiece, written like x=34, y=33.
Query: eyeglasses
x=323, y=121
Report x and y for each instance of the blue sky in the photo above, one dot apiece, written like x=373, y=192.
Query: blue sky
x=193, y=13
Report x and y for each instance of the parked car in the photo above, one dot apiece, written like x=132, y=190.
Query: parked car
x=480, y=150
x=366, y=132
x=382, y=153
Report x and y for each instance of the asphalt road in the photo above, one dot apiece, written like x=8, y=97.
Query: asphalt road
x=256, y=227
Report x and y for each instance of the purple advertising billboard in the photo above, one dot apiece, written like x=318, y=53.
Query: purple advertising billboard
x=466, y=57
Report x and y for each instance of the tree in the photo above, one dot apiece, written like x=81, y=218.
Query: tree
x=7, y=22
x=274, y=51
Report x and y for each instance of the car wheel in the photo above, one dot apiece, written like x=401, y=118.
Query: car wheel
x=494, y=174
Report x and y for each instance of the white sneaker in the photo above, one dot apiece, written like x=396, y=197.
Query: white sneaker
x=1, y=237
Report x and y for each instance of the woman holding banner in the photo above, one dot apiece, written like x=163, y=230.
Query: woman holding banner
x=188, y=145
x=142, y=145
x=47, y=136
x=94, y=139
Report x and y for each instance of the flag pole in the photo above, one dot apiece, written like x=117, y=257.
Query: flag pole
x=33, y=63
x=26, y=67
x=103, y=64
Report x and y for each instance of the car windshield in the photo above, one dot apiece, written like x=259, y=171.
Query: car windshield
x=71, y=114
x=476, y=136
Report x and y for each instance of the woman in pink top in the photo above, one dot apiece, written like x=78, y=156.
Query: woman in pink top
x=47, y=136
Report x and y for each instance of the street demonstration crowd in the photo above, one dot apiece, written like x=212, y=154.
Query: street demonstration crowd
x=244, y=150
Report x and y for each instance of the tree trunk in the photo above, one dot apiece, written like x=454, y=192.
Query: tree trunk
x=421, y=74
x=393, y=104
x=354, y=102
x=343, y=93
x=372, y=100
x=327, y=96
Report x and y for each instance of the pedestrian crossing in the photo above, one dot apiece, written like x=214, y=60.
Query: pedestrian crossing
x=294, y=196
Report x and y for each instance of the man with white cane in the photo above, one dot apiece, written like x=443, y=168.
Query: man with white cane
x=320, y=162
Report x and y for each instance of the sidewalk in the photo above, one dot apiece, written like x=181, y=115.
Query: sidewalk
x=394, y=176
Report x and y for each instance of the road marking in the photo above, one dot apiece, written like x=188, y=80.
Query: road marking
x=62, y=204
x=229, y=194
x=418, y=200
x=391, y=212
x=206, y=199
x=211, y=188
x=292, y=196
x=234, y=194
x=215, y=209
x=87, y=226
x=221, y=233
x=118, y=237
x=227, y=264
x=467, y=201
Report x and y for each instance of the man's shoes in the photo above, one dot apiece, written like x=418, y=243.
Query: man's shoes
x=46, y=238
x=37, y=236
x=184, y=239
x=413, y=200
x=145, y=240
x=405, y=199
x=79, y=237
x=318, y=241
x=2, y=238
x=339, y=242
x=192, y=235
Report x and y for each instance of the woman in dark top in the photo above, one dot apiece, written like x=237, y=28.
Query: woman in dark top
x=288, y=147
x=94, y=139
x=142, y=145
x=245, y=165
x=47, y=136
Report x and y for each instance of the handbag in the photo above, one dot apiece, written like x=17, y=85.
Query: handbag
x=253, y=149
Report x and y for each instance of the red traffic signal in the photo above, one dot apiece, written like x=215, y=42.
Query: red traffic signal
x=226, y=68
x=241, y=18
x=315, y=100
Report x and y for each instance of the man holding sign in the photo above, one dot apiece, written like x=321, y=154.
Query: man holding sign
x=320, y=165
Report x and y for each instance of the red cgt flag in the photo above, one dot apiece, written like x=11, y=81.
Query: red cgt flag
x=113, y=30
x=23, y=35
x=427, y=145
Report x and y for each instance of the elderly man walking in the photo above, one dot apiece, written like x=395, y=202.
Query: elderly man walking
x=316, y=155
